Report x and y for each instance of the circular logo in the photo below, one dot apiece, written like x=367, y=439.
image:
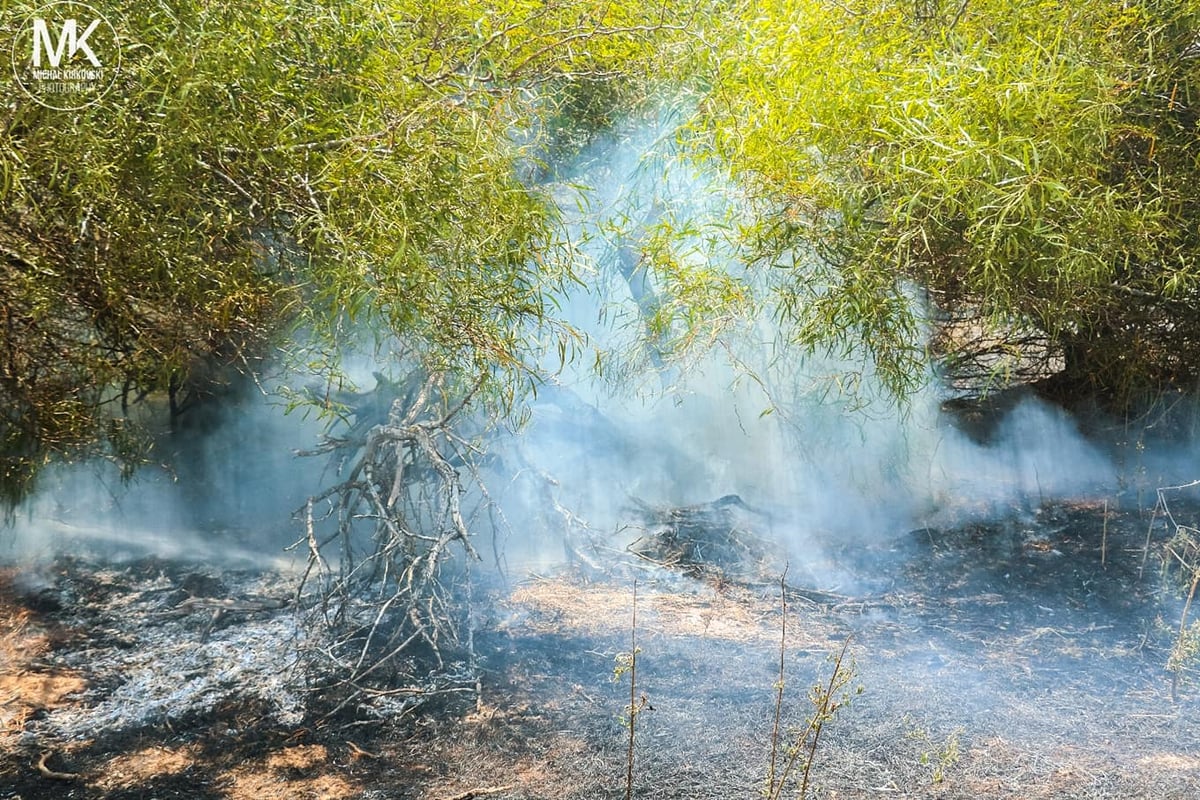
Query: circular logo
x=66, y=55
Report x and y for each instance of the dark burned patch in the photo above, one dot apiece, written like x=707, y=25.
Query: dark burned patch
x=1013, y=658
x=1069, y=597
x=1064, y=558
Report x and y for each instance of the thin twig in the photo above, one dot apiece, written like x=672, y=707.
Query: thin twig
x=633, y=710
x=482, y=791
x=1149, y=532
x=1104, y=536
x=46, y=772
x=779, y=683
x=229, y=179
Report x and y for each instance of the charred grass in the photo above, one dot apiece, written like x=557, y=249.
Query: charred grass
x=1003, y=659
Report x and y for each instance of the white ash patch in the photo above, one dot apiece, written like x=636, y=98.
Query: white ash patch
x=168, y=678
x=149, y=663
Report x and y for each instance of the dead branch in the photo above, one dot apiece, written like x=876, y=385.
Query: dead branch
x=229, y=605
x=481, y=792
x=386, y=544
x=358, y=752
x=46, y=772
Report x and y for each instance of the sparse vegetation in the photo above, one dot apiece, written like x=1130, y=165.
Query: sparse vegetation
x=795, y=749
x=802, y=741
x=627, y=665
x=1181, y=563
x=938, y=757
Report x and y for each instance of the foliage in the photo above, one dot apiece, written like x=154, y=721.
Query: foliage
x=323, y=165
x=792, y=765
x=328, y=167
x=938, y=757
x=1030, y=164
x=657, y=228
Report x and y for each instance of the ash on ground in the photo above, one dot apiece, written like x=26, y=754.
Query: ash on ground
x=159, y=643
x=1010, y=659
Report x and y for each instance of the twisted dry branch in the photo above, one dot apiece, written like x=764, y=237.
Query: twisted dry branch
x=382, y=541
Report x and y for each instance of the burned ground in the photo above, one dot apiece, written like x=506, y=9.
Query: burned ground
x=1018, y=656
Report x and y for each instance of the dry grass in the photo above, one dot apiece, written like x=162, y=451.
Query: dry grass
x=25, y=687
x=303, y=772
x=729, y=613
x=137, y=768
x=993, y=671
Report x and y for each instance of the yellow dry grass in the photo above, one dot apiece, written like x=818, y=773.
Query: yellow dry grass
x=553, y=604
x=303, y=772
x=131, y=770
x=25, y=689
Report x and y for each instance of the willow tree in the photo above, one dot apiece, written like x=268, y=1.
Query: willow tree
x=260, y=166
x=1034, y=167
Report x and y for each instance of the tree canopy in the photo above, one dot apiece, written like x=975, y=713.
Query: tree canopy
x=265, y=166
x=260, y=168
x=1032, y=166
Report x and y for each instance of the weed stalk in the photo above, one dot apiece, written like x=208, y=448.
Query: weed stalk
x=632, y=697
x=826, y=700
x=627, y=663
x=779, y=683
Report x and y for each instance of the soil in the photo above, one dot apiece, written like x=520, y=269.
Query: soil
x=1018, y=657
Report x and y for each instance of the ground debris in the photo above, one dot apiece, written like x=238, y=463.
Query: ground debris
x=992, y=670
x=46, y=772
x=231, y=605
x=722, y=539
x=470, y=794
x=150, y=661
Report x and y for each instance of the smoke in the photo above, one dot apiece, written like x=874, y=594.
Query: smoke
x=750, y=416
x=735, y=413
x=220, y=489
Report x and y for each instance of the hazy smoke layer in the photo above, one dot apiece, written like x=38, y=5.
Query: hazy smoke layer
x=221, y=489
x=745, y=418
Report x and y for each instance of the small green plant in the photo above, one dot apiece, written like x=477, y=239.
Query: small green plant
x=1181, y=562
x=627, y=665
x=1184, y=655
x=1186, y=650
x=793, y=754
x=939, y=758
